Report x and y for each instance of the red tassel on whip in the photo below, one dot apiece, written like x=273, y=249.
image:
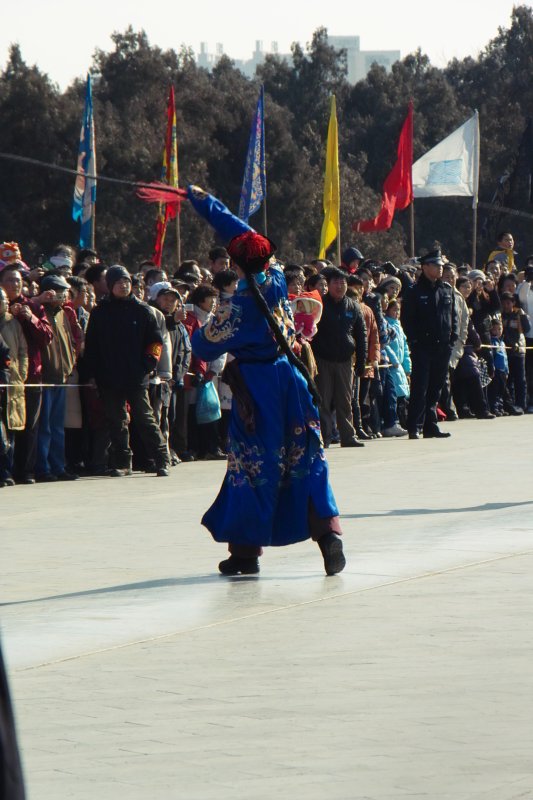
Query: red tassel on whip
x=158, y=192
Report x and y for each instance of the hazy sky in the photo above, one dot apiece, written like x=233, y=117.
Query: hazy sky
x=60, y=36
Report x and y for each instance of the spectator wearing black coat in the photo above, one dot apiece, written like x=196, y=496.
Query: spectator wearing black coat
x=485, y=303
x=339, y=342
x=122, y=347
x=516, y=327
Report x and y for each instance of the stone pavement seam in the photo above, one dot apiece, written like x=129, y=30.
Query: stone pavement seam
x=387, y=584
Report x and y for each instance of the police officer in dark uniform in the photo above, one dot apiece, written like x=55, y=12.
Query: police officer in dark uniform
x=430, y=322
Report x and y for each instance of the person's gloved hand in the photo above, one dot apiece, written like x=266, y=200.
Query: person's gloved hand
x=149, y=364
x=198, y=379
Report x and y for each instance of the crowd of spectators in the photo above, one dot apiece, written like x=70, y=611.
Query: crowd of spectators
x=98, y=378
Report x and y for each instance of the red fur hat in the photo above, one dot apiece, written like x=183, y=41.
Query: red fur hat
x=251, y=251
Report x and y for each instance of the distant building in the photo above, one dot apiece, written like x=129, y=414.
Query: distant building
x=206, y=59
x=358, y=61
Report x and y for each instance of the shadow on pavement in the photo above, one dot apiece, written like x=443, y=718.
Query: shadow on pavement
x=415, y=512
x=163, y=583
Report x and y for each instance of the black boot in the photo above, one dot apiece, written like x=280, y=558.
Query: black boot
x=237, y=565
x=331, y=548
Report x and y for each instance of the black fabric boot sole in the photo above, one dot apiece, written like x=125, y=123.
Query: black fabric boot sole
x=235, y=565
x=331, y=549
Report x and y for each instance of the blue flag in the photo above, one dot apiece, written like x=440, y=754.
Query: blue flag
x=85, y=187
x=254, y=183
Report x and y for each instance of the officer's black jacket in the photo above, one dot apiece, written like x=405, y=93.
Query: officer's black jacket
x=117, y=343
x=341, y=332
x=429, y=317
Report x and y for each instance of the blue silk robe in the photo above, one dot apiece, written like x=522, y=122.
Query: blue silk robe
x=275, y=475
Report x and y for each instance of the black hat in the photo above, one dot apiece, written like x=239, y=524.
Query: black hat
x=350, y=255
x=116, y=273
x=55, y=282
x=218, y=252
x=435, y=257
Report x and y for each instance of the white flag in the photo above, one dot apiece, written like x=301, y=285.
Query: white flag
x=451, y=167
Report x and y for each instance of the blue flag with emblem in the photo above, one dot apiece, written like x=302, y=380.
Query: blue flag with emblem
x=253, y=191
x=83, y=207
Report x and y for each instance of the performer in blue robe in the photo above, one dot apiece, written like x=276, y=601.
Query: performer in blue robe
x=276, y=489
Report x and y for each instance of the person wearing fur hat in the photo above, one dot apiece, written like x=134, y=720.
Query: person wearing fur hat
x=122, y=347
x=276, y=489
x=391, y=286
x=9, y=253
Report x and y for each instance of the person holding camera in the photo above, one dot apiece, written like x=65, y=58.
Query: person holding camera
x=58, y=360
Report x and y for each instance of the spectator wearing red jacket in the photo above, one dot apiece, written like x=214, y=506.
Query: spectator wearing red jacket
x=37, y=330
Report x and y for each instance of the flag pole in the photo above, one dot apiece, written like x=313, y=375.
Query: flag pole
x=474, y=235
x=178, y=237
x=265, y=227
x=93, y=227
x=476, y=191
x=265, y=216
x=331, y=226
x=339, y=246
x=412, y=228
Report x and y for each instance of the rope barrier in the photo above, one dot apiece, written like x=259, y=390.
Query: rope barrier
x=46, y=385
x=67, y=171
x=517, y=348
x=491, y=208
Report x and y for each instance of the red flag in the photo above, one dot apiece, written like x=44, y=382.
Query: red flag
x=169, y=175
x=398, y=186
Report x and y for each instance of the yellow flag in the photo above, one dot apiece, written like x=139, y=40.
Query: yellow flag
x=332, y=200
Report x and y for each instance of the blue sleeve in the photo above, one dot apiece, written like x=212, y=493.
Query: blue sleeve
x=222, y=332
x=226, y=224
x=391, y=355
x=406, y=362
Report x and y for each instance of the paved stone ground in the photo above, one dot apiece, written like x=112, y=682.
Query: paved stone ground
x=138, y=672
